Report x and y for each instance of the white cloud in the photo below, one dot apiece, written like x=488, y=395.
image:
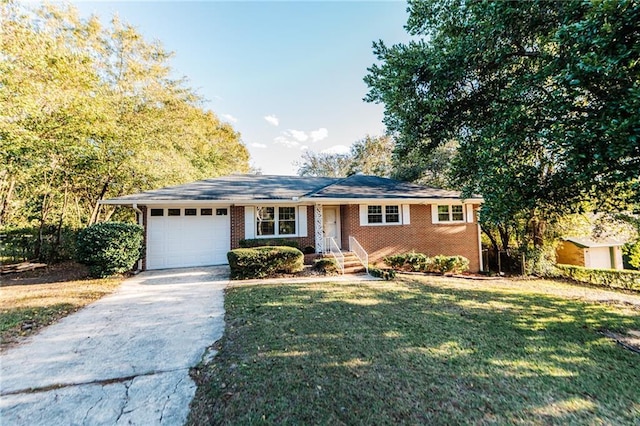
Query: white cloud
x=336, y=149
x=258, y=145
x=298, y=135
x=272, y=119
x=229, y=118
x=281, y=140
x=304, y=148
x=318, y=135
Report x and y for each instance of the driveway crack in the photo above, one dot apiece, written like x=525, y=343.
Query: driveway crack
x=126, y=400
x=175, y=389
x=101, y=382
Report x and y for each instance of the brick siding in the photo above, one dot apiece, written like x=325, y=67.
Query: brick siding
x=420, y=235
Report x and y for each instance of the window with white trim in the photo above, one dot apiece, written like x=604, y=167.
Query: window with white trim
x=383, y=215
x=275, y=221
x=450, y=213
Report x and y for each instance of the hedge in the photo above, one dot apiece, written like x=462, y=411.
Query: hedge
x=418, y=262
x=385, y=274
x=629, y=280
x=326, y=265
x=109, y=248
x=261, y=262
x=261, y=242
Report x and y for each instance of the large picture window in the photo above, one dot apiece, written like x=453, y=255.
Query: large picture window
x=275, y=221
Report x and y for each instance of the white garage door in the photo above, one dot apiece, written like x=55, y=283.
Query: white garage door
x=181, y=237
x=599, y=257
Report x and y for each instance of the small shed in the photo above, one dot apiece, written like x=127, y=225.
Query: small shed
x=590, y=253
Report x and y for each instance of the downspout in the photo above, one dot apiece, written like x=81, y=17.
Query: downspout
x=141, y=223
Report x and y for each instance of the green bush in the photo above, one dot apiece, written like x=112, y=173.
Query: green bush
x=326, y=265
x=109, y=248
x=261, y=242
x=418, y=262
x=629, y=280
x=631, y=255
x=261, y=262
x=385, y=274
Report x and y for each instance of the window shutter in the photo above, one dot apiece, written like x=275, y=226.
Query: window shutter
x=249, y=223
x=434, y=213
x=363, y=215
x=406, y=216
x=302, y=221
x=469, y=213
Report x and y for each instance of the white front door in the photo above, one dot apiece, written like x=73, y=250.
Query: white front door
x=331, y=224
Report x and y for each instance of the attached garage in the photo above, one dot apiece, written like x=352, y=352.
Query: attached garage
x=187, y=236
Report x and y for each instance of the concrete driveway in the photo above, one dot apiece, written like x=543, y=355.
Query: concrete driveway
x=124, y=359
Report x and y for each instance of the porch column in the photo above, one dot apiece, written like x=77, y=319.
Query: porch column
x=319, y=226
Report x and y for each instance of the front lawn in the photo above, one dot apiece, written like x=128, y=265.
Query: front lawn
x=419, y=351
x=36, y=299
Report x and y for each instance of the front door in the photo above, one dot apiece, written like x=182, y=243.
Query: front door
x=331, y=224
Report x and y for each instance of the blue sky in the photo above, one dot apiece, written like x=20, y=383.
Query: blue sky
x=287, y=75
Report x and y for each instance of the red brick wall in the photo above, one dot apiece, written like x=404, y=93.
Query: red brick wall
x=420, y=235
x=238, y=231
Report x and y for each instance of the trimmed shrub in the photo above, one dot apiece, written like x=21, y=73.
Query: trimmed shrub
x=110, y=248
x=261, y=242
x=385, y=274
x=261, y=262
x=628, y=280
x=418, y=262
x=326, y=265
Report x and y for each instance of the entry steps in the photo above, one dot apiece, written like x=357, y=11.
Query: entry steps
x=352, y=264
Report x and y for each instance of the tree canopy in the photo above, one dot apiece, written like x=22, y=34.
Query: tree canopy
x=91, y=111
x=371, y=155
x=541, y=97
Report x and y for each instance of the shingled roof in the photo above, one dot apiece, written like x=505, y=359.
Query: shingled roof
x=236, y=188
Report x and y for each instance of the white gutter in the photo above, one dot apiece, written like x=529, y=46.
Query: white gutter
x=141, y=223
x=302, y=200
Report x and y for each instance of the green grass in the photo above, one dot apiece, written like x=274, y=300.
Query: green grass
x=417, y=352
x=26, y=308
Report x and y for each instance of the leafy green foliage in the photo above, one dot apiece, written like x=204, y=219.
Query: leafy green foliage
x=542, y=99
x=631, y=255
x=418, y=262
x=629, y=280
x=110, y=248
x=261, y=242
x=370, y=156
x=384, y=273
x=326, y=265
x=90, y=112
x=262, y=262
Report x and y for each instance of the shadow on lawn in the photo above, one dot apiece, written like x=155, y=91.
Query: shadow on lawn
x=414, y=353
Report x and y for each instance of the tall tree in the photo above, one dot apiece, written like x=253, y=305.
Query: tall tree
x=91, y=111
x=371, y=155
x=543, y=98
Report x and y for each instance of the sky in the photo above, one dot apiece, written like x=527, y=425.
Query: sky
x=287, y=75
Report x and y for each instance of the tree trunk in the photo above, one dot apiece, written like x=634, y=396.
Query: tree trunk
x=6, y=198
x=96, y=207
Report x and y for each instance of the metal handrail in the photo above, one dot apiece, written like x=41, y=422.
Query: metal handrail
x=360, y=252
x=336, y=253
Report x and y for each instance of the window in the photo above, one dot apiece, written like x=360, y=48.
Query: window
x=451, y=213
x=173, y=212
x=383, y=215
x=392, y=214
x=272, y=221
x=375, y=214
x=157, y=212
x=206, y=212
x=190, y=212
x=266, y=220
x=221, y=212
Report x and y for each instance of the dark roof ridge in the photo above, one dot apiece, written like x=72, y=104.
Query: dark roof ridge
x=338, y=181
